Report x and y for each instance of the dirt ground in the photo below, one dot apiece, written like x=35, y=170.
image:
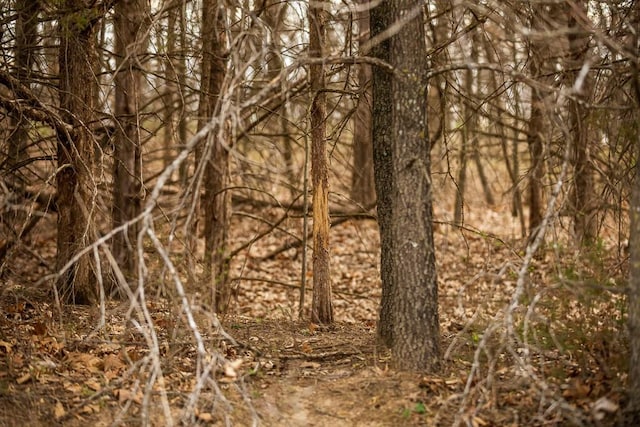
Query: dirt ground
x=66, y=368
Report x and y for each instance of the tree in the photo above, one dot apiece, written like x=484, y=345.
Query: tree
x=216, y=201
x=383, y=168
x=578, y=37
x=633, y=296
x=362, y=183
x=409, y=306
x=75, y=151
x=130, y=18
x=25, y=47
x=538, y=50
x=321, y=307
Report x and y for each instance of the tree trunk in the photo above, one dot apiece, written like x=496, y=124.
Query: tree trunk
x=76, y=188
x=536, y=127
x=362, y=183
x=383, y=168
x=632, y=412
x=130, y=16
x=321, y=306
x=26, y=36
x=216, y=202
x=584, y=223
x=274, y=15
x=415, y=331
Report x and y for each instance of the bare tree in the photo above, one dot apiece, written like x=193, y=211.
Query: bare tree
x=362, y=182
x=578, y=64
x=632, y=412
x=410, y=302
x=131, y=19
x=25, y=48
x=321, y=306
x=214, y=156
x=76, y=186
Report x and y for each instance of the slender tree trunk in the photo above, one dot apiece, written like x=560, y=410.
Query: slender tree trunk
x=321, y=306
x=26, y=34
x=362, y=184
x=467, y=140
x=275, y=13
x=584, y=223
x=76, y=188
x=535, y=131
x=130, y=18
x=171, y=89
x=216, y=202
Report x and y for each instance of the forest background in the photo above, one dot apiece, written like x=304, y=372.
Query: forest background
x=189, y=226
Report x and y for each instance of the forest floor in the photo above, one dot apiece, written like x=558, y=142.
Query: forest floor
x=58, y=368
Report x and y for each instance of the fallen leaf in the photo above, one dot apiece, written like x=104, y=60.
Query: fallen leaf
x=602, y=407
x=23, y=379
x=205, y=416
x=58, y=411
x=477, y=421
x=112, y=362
x=7, y=346
x=125, y=395
x=230, y=368
x=310, y=365
x=93, y=385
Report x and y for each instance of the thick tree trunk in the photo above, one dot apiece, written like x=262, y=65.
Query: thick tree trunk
x=130, y=17
x=416, y=343
x=76, y=188
x=414, y=332
x=362, y=183
x=216, y=202
x=321, y=306
x=632, y=412
x=633, y=321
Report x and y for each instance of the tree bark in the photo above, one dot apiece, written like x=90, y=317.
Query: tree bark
x=321, y=305
x=26, y=35
x=216, y=205
x=632, y=411
x=535, y=129
x=584, y=221
x=362, y=183
x=383, y=168
x=414, y=332
x=130, y=18
x=76, y=188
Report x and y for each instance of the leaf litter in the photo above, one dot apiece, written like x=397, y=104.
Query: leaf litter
x=56, y=368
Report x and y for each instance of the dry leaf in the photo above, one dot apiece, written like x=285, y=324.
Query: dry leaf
x=93, y=385
x=125, y=395
x=602, y=407
x=23, y=379
x=306, y=348
x=7, y=346
x=230, y=368
x=112, y=362
x=477, y=421
x=310, y=365
x=58, y=411
x=205, y=416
